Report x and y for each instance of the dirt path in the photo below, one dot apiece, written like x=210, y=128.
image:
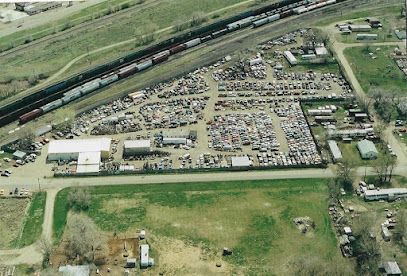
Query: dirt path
x=48, y=215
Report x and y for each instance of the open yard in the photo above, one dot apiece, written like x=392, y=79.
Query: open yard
x=374, y=67
x=11, y=220
x=253, y=218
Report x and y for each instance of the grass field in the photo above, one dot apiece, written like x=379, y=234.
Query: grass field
x=33, y=223
x=47, y=58
x=381, y=72
x=254, y=218
x=372, y=12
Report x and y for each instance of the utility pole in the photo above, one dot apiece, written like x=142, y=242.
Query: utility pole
x=39, y=185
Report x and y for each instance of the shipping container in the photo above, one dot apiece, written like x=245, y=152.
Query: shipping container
x=30, y=116
x=108, y=79
x=144, y=65
x=177, y=49
x=193, y=43
x=51, y=106
x=160, y=57
x=127, y=71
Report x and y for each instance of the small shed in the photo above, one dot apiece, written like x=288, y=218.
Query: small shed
x=391, y=268
x=19, y=155
x=321, y=51
x=131, y=263
x=367, y=149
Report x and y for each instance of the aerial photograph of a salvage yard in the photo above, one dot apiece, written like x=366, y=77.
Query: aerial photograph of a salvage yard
x=203, y=137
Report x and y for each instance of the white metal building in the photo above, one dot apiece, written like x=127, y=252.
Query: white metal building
x=388, y=194
x=88, y=162
x=335, y=151
x=70, y=149
x=290, y=58
x=132, y=147
x=145, y=261
x=240, y=161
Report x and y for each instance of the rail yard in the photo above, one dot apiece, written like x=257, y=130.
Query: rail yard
x=239, y=145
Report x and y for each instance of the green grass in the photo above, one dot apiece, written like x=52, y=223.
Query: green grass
x=33, y=223
x=381, y=72
x=60, y=214
x=254, y=218
x=351, y=152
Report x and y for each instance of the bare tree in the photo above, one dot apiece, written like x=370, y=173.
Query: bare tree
x=46, y=250
x=344, y=174
x=384, y=168
x=79, y=199
x=83, y=238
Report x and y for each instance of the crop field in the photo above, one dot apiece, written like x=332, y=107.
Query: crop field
x=381, y=71
x=253, y=218
x=11, y=220
x=43, y=60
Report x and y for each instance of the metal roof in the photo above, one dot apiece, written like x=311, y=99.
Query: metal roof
x=240, y=161
x=384, y=192
x=137, y=144
x=336, y=152
x=391, y=268
x=79, y=145
x=366, y=146
x=77, y=270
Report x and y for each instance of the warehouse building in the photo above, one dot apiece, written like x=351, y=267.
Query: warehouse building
x=335, y=151
x=367, y=149
x=66, y=150
x=386, y=194
x=240, y=161
x=135, y=147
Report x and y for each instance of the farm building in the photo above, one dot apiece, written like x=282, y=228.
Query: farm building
x=391, y=268
x=290, y=58
x=350, y=133
x=145, y=261
x=132, y=147
x=387, y=194
x=374, y=22
x=367, y=149
x=240, y=161
x=335, y=151
x=360, y=28
x=70, y=149
x=366, y=36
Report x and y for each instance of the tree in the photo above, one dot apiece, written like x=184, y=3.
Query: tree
x=46, y=250
x=27, y=138
x=83, y=238
x=79, y=199
x=400, y=230
x=366, y=250
x=402, y=108
x=344, y=174
x=384, y=168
